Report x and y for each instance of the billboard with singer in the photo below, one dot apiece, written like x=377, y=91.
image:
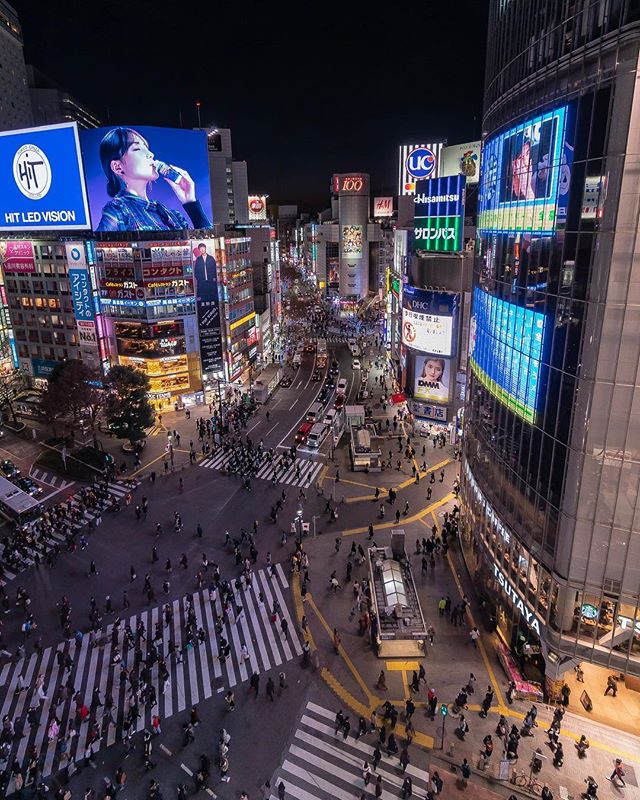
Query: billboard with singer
x=147, y=178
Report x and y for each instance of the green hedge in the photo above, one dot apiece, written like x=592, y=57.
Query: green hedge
x=52, y=459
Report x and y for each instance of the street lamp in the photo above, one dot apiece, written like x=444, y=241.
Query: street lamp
x=444, y=710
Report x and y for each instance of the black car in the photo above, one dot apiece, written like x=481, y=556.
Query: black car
x=286, y=381
x=324, y=393
x=330, y=382
x=335, y=369
x=9, y=469
x=29, y=486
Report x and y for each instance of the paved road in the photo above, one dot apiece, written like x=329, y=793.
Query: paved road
x=320, y=765
x=196, y=677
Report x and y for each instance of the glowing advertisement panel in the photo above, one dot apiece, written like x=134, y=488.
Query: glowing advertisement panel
x=525, y=177
x=505, y=351
x=206, y=288
x=439, y=214
x=432, y=379
x=42, y=182
x=147, y=178
x=428, y=320
x=352, y=241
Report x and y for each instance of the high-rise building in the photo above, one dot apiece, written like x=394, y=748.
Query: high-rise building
x=15, y=103
x=229, y=182
x=42, y=305
x=551, y=463
x=52, y=105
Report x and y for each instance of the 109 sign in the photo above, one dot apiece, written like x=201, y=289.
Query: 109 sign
x=421, y=163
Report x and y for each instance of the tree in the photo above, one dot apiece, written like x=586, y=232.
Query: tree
x=73, y=389
x=127, y=408
x=10, y=387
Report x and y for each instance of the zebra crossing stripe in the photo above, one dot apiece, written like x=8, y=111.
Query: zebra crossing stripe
x=328, y=730
x=301, y=473
x=190, y=679
x=287, y=616
x=318, y=763
x=204, y=666
x=268, y=624
x=282, y=576
x=177, y=637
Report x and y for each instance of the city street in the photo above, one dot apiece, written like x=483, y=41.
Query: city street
x=299, y=747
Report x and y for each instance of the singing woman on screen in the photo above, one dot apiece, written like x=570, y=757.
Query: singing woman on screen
x=130, y=168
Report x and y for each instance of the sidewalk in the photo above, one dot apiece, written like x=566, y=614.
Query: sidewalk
x=353, y=674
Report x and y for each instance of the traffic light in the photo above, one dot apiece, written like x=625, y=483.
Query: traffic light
x=444, y=709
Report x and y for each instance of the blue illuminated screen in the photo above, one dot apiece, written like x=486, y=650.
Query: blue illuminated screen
x=506, y=351
x=525, y=178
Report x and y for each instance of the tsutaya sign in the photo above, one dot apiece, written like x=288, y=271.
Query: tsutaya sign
x=514, y=597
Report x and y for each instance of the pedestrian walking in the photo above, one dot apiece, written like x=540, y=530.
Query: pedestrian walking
x=474, y=635
x=270, y=688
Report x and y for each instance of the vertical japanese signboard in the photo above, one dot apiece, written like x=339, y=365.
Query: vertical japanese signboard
x=205, y=280
x=81, y=294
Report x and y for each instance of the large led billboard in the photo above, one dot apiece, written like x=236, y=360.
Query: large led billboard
x=461, y=159
x=352, y=241
x=439, y=214
x=505, y=351
x=417, y=162
x=41, y=178
x=432, y=379
x=205, y=285
x=257, y=207
x=525, y=176
x=428, y=320
x=147, y=178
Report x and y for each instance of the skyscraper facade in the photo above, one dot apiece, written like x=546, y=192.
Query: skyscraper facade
x=551, y=461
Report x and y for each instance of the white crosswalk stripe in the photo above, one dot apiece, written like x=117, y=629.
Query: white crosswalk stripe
x=116, y=490
x=302, y=472
x=196, y=674
x=320, y=765
x=49, y=478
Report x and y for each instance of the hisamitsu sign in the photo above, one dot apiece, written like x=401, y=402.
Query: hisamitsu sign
x=439, y=214
x=42, y=180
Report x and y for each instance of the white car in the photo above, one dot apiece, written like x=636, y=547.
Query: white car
x=355, y=364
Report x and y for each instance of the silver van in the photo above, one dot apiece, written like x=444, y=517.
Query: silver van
x=317, y=434
x=313, y=414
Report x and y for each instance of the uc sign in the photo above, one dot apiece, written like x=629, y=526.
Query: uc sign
x=421, y=162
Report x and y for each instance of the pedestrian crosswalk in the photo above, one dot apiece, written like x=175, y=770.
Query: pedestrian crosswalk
x=49, y=478
x=196, y=673
x=320, y=765
x=31, y=554
x=302, y=472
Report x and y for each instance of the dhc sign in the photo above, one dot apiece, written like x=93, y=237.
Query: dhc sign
x=421, y=163
x=515, y=599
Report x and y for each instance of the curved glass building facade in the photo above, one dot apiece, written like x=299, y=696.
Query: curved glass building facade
x=551, y=462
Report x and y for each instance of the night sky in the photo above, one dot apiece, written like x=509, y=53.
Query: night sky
x=307, y=89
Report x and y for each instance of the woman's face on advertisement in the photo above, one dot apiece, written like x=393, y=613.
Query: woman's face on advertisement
x=137, y=162
x=432, y=371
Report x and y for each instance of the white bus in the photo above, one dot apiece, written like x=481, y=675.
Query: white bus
x=17, y=505
x=321, y=357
